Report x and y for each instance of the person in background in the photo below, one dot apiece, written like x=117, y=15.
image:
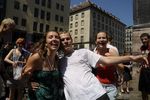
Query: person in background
x=76, y=68
x=42, y=67
x=107, y=75
x=17, y=57
x=5, y=74
x=126, y=76
x=144, y=79
x=7, y=26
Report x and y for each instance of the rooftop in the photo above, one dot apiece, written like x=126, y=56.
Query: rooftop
x=89, y=4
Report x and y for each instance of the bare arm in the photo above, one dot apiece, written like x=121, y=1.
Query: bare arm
x=121, y=59
x=8, y=56
x=31, y=65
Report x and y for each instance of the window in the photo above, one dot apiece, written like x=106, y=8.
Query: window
x=102, y=26
x=16, y=20
x=82, y=22
x=75, y=39
x=82, y=30
x=99, y=17
x=56, y=28
x=82, y=38
x=43, y=2
x=106, y=20
x=106, y=27
x=62, y=7
x=49, y=3
x=76, y=17
x=57, y=6
x=23, y=22
x=41, y=27
x=94, y=23
x=42, y=14
x=60, y=29
x=47, y=28
x=37, y=1
x=25, y=7
x=109, y=22
x=71, y=25
x=98, y=25
x=76, y=24
x=16, y=5
x=82, y=15
x=48, y=16
x=56, y=18
x=76, y=32
x=71, y=18
x=35, y=26
x=70, y=32
x=62, y=19
x=94, y=15
x=102, y=18
x=36, y=12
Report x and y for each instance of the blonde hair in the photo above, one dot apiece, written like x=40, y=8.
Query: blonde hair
x=8, y=21
x=65, y=32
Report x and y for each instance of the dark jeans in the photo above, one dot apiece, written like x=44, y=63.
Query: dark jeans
x=103, y=97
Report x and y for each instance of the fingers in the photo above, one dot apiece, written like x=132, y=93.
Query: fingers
x=34, y=85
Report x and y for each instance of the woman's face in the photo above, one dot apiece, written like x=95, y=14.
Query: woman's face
x=101, y=39
x=53, y=40
x=20, y=45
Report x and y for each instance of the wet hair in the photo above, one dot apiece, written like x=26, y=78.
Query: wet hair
x=145, y=35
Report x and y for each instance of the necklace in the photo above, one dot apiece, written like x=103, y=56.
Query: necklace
x=51, y=66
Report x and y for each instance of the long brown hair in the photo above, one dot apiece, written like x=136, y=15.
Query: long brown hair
x=40, y=47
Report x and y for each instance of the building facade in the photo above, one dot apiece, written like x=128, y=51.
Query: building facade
x=87, y=19
x=141, y=11
x=137, y=31
x=128, y=39
x=141, y=18
x=35, y=17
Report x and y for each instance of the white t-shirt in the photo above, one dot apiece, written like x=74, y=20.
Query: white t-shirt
x=80, y=82
x=113, y=47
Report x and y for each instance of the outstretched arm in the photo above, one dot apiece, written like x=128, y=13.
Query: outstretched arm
x=121, y=59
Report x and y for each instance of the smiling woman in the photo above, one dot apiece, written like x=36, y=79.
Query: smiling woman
x=43, y=65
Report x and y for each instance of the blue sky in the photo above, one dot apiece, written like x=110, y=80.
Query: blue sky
x=120, y=8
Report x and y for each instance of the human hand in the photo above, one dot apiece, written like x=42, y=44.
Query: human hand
x=142, y=59
x=34, y=85
x=14, y=64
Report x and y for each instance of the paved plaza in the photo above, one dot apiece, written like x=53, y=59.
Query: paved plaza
x=134, y=93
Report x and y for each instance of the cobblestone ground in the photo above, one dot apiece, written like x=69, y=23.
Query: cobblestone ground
x=134, y=93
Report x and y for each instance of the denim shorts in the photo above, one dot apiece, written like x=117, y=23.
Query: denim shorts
x=111, y=90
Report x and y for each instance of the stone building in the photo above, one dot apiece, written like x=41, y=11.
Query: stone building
x=141, y=18
x=35, y=17
x=87, y=19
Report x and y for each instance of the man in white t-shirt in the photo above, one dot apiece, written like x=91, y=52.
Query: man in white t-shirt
x=75, y=66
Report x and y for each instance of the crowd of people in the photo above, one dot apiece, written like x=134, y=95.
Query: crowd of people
x=54, y=70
